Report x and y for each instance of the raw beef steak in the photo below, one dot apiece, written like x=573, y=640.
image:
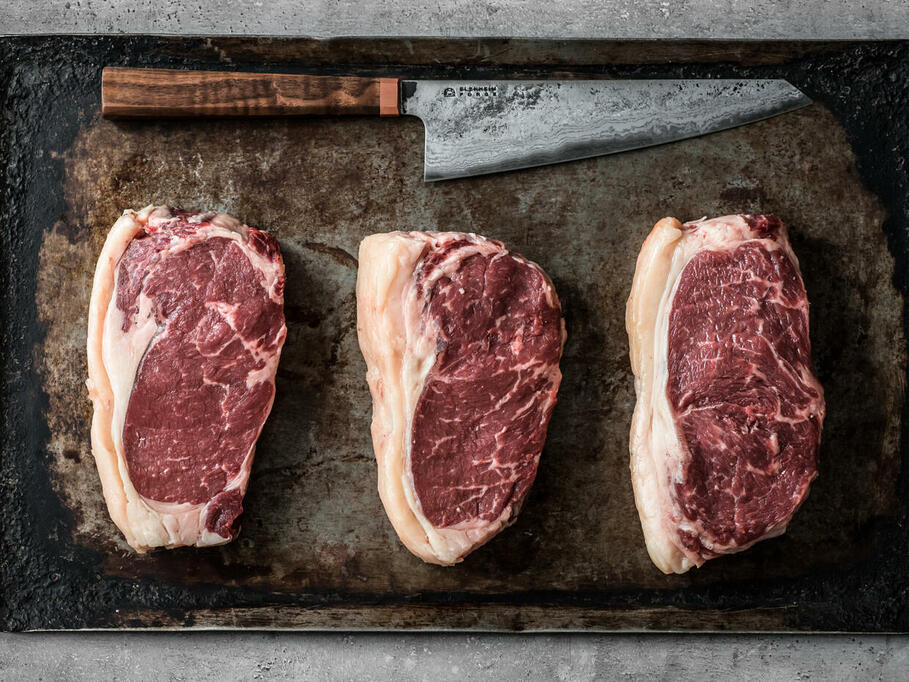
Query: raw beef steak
x=185, y=330
x=725, y=435
x=462, y=341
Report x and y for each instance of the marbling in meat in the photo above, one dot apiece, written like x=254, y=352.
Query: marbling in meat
x=186, y=326
x=462, y=341
x=725, y=435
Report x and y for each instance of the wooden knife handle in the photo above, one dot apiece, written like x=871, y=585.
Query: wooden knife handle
x=154, y=93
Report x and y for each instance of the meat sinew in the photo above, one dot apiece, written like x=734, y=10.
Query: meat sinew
x=185, y=330
x=725, y=435
x=462, y=341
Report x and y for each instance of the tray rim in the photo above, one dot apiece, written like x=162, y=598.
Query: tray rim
x=837, y=44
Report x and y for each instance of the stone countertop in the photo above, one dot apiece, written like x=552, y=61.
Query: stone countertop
x=413, y=656
x=748, y=19
x=218, y=656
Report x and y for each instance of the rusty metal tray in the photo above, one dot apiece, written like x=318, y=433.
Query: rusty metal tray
x=316, y=550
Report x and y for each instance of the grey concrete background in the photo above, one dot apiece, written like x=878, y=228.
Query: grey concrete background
x=467, y=18
x=408, y=656
x=221, y=656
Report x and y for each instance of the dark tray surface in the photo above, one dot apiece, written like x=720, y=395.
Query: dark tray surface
x=316, y=550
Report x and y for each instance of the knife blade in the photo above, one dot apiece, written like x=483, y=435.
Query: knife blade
x=478, y=128
x=472, y=127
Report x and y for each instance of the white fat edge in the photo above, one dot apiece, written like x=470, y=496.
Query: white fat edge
x=109, y=467
x=387, y=262
x=121, y=355
x=208, y=539
x=651, y=280
x=663, y=436
x=178, y=523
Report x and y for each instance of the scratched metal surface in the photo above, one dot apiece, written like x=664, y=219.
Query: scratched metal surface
x=316, y=550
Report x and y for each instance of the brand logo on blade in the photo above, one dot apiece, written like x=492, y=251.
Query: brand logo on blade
x=472, y=91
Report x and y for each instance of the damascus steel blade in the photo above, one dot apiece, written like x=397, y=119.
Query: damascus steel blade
x=478, y=127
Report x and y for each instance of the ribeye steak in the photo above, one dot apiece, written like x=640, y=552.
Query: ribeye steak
x=186, y=325
x=462, y=341
x=725, y=435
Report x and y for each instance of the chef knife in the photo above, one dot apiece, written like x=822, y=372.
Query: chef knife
x=472, y=127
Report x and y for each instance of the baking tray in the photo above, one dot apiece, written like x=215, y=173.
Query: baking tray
x=316, y=550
